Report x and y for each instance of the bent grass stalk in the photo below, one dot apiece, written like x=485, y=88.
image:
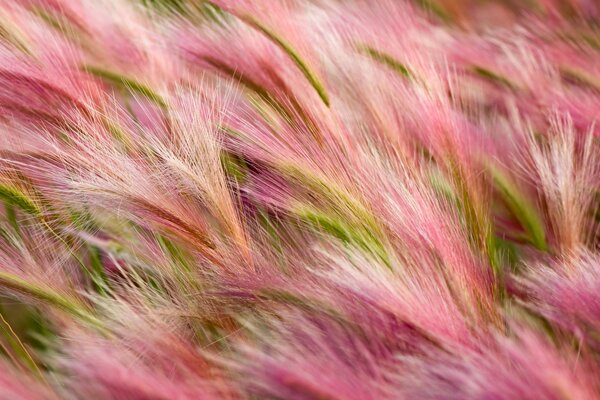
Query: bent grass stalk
x=51, y=297
x=387, y=60
x=287, y=48
x=521, y=207
x=18, y=347
x=126, y=82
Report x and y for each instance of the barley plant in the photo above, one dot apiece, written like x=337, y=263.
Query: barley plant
x=299, y=199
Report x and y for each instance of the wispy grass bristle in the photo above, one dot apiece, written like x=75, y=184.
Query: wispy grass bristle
x=299, y=199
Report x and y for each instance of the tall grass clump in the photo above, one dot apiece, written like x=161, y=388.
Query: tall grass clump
x=299, y=199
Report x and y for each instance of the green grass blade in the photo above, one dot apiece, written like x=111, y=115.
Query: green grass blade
x=386, y=60
x=580, y=78
x=353, y=234
x=284, y=45
x=17, y=346
x=48, y=296
x=126, y=82
x=521, y=208
x=13, y=196
x=494, y=77
x=11, y=34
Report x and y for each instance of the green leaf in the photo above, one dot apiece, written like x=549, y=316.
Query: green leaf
x=17, y=346
x=494, y=77
x=332, y=226
x=523, y=210
x=476, y=218
x=96, y=271
x=355, y=234
x=10, y=33
x=436, y=9
x=16, y=197
x=386, y=60
x=126, y=82
x=177, y=6
x=50, y=297
x=580, y=78
x=287, y=48
x=234, y=166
